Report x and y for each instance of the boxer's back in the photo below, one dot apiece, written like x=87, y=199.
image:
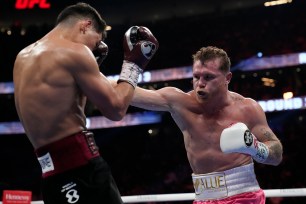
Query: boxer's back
x=48, y=102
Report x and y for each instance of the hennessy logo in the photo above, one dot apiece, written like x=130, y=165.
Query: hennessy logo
x=16, y=196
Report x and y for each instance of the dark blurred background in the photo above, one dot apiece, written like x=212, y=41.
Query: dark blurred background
x=156, y=163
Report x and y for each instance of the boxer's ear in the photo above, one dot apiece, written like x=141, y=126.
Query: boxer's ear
x=85, y=24
x=228, y=77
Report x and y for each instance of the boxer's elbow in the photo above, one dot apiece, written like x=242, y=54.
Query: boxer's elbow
x=280, y=159
x=275, y=161
x=117, y=116
x=279, y=156
x=276, y=154
x=114, y=116
x=115, y=112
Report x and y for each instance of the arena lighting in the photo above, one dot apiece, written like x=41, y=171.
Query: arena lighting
x=259, y=54
x=274, y=105
x=268, y=82
x=278, y=2
x=98, y=122
x=287, y=95
x=272, y=62
x=152, y=117
x=177, y=73
x=302, y=58
x=108, y=27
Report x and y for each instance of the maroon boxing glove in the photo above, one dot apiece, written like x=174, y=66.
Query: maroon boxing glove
x=139, y=46
x=100, y=52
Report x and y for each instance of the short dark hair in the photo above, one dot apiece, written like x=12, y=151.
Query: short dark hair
x=83, y=10
x=211, y=52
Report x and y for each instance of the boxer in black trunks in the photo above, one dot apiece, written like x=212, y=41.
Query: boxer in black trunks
x=53, y=78
x=76, y=173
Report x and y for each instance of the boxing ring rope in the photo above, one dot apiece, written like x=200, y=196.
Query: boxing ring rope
x=290, y=192
x=294, y=192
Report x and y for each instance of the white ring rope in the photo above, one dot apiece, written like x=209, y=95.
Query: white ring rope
x=290, y=192
x=293, y=192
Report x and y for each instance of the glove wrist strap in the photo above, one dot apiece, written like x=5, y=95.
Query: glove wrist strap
x=261, y=152
x=130, y=73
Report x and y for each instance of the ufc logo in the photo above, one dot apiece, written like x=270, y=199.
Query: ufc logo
x=29, y=4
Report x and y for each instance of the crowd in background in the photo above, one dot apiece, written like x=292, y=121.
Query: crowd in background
x=144, y=163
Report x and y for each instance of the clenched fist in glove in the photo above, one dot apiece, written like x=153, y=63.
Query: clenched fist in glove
x=238, y=139
x=139, y=46
x=100, y=52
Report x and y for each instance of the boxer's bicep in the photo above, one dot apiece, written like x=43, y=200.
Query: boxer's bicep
x=258, y=122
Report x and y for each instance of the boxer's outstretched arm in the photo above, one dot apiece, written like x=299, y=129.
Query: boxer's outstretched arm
x=156, y=100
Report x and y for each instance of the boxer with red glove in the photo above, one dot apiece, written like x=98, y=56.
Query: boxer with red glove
x=238, y=139
x=139, y=46
x=100, y=52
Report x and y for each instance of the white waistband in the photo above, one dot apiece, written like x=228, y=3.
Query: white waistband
x=219, y=185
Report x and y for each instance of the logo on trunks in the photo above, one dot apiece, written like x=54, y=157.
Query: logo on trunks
x=210, y=186
x=71, y=194
x=148, y=49
x=248, y=138
x=91, y=142
x=46, y=163
x=208, y=183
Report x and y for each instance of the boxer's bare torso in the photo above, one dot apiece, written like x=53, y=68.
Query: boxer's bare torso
x=203, y=113
x=202, y=124
x=48, y=101
x=202, y=127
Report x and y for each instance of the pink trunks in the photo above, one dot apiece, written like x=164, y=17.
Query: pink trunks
x=257, y=197
x=232, y=186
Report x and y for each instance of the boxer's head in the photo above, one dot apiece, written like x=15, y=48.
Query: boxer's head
x=82, y=11
x=211, y=52
x=211, y=73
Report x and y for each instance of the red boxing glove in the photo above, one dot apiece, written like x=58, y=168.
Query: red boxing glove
x=100, y=52
x=139, y=47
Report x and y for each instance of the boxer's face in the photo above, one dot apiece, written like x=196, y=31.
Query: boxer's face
x=92, y=37
x=208, y=80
